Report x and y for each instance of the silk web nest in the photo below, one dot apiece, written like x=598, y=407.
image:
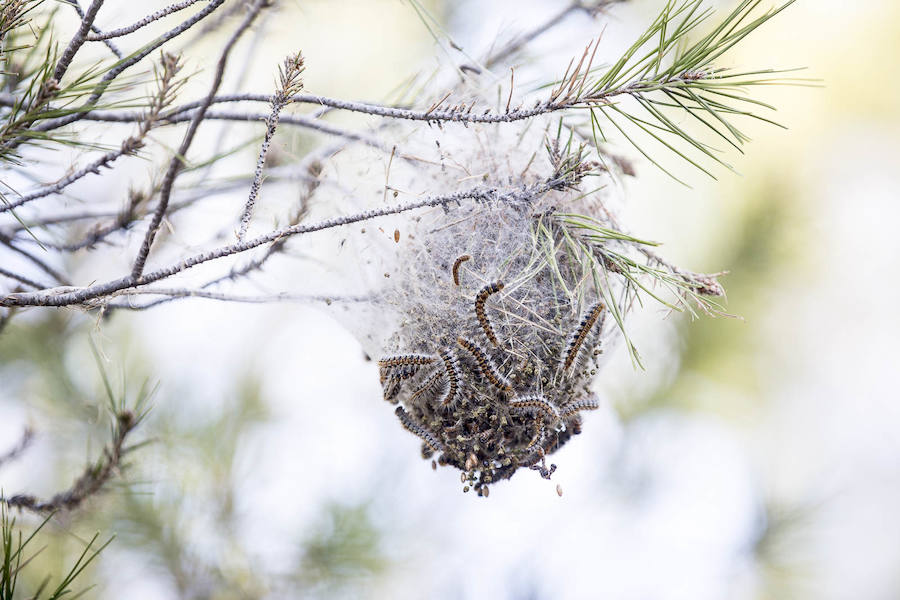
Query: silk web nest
x=491, y=315
x=500, y=307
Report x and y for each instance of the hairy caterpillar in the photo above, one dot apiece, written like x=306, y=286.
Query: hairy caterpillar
x=405, y=360
x=456, y=265
x=579, y=405
x=578, y=337
x=536, y=403
x=427, y=385
x=410, y=425
x=451, y=368
x=480, y=313
x=485, y=364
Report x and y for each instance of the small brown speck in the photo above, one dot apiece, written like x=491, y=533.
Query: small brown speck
x=397, y=236
x=387, y=275
x=471, y=462
x=559, y=490
x=433, y=466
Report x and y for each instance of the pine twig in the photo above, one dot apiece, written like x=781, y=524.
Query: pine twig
x=177, y=163
x=91, y=481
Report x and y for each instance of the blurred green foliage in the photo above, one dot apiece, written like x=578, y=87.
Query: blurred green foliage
x=176, y=506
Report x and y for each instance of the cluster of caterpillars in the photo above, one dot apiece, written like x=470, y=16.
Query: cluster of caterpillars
x=470, y=406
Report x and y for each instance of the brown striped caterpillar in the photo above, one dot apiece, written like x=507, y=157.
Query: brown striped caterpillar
x=398, y=373
x=579, y=405
x=578, y=337
x=391, y=382
x=480, y=313
x=410, y=425
x=427, y=385
x=451, y=370
x=405, y=360
x=485, y=364
x=456, y=265
x=531, y=404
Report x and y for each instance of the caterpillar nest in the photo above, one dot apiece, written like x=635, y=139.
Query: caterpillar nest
x=494, y=313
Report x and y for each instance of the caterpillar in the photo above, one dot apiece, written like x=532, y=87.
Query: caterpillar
x=480, y=300
x=456, y=265
x=411, y=426
x=579, y=405
x=485, y=364
x=427, y=385
x=406, y=364
x=578, y=337
x=392, y=382
x=531, y=404
x=398, y=373
x=451, y=368
x=405, y=360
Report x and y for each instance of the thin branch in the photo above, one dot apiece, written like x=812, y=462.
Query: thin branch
x=17, y=450
x=22, y=279
x=177, y=162
x=112, y=47
x=519, y=42
x=143, y=22
x=290, y=85
x=42, y=265
x=77, y=41
x=705, y=284
x=93, y=479
x=60, y=219
x=102, y=162
x=68, y=296
x=226, y=297
x=294, y=120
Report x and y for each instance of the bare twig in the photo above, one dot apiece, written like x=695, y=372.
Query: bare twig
x=22, y=279
x=290, y=85
x=112, y=47
x=41, y=264
x=519, y=42
x=80, y=38
x=69, y=297
x=226, y=297
x=17, y=450
x=93, y=479
x=706, y=284
x=177, y=162
x=142, y=23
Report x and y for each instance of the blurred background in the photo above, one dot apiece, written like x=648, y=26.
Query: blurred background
x=752, y=457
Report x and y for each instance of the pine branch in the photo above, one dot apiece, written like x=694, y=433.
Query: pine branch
x=290, y=84
x=91, y=481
